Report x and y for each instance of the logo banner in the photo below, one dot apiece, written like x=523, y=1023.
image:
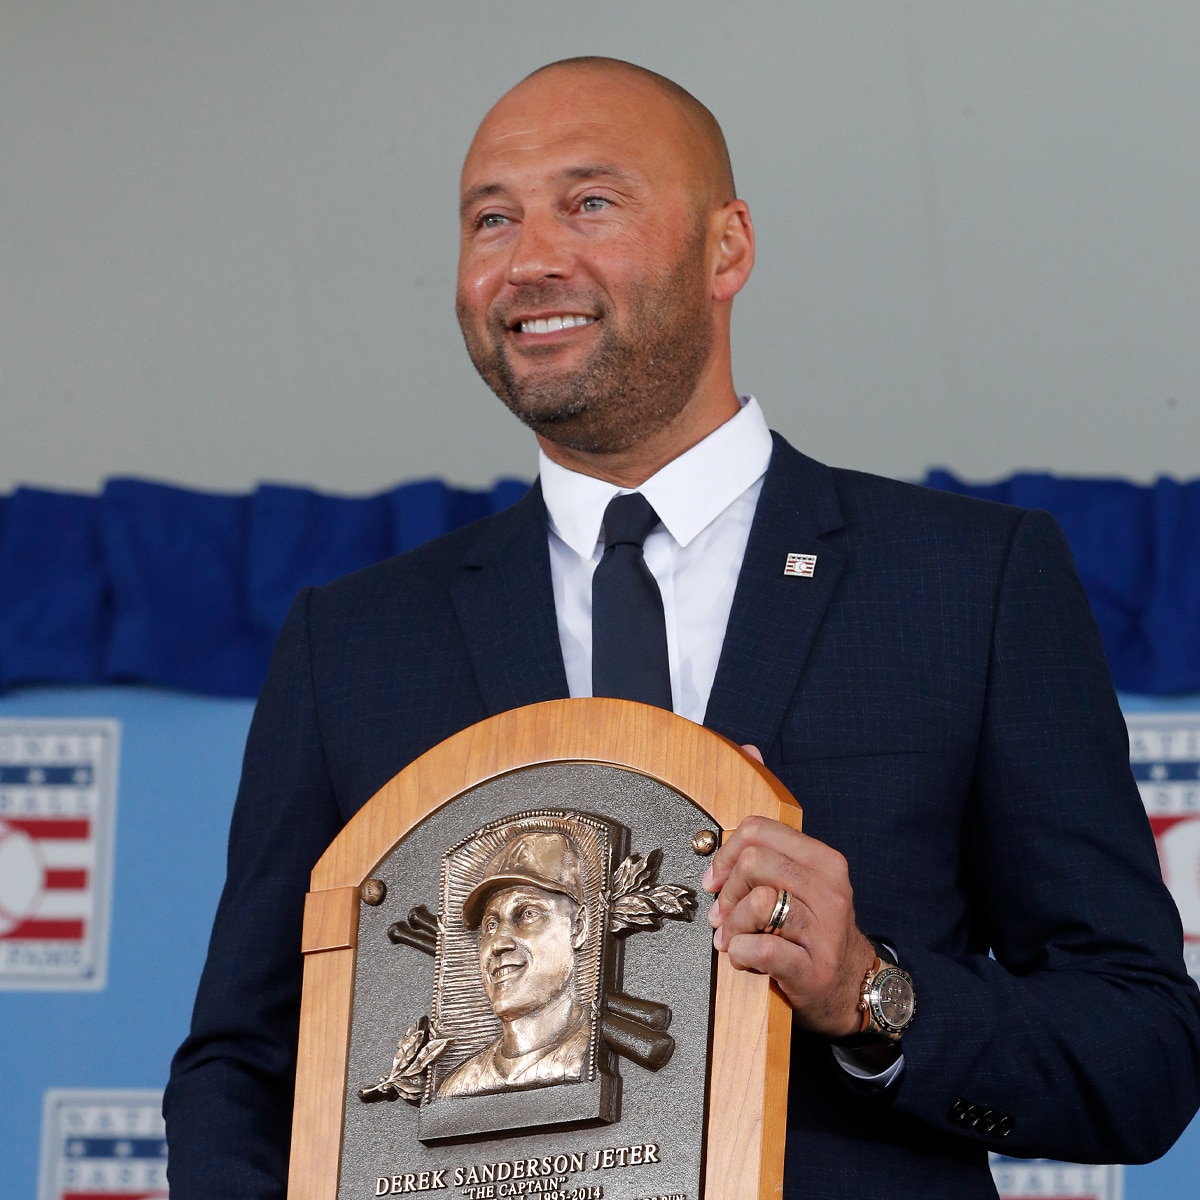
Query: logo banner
x=1164, y=749
x=58, y=791
x=103, y=1145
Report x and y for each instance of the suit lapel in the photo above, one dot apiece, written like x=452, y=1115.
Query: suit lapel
x=775, y=617
x=505, y=605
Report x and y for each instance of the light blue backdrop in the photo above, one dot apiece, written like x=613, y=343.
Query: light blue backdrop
x=179, y=763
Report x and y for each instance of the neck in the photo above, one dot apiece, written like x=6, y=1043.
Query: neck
x=542, y=1027
x=632, y=466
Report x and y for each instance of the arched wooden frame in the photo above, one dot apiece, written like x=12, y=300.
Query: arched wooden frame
x=748, y=1075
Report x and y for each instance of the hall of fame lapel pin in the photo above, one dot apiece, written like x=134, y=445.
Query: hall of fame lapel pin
x=803, y=565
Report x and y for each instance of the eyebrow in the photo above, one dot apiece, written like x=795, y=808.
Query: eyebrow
x=597, y=170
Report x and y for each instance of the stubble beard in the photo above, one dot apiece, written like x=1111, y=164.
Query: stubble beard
x=633, y=384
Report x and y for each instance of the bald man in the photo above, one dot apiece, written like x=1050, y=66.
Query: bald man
x=972, y=932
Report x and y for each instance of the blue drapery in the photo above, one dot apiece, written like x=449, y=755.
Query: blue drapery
x=185, y=589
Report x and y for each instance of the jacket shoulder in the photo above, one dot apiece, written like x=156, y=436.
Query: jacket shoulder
x=431, y=568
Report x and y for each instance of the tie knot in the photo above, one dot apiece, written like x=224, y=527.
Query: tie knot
x=628, y=519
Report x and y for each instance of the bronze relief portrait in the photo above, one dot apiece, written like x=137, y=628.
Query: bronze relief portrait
x=527, y=995
x=521, y=955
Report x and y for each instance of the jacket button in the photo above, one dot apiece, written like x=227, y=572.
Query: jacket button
x=958, y=1111
x=1004, y=1126
x=989, y=1120
x=974, y=1112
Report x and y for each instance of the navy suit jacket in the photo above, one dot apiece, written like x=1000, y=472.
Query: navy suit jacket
x=936, y=698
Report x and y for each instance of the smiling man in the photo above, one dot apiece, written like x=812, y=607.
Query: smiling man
x=972, y=932
x=528, y=908
x=602, y=245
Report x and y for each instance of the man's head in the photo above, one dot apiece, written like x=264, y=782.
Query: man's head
x=601, y=248
x=528, y=906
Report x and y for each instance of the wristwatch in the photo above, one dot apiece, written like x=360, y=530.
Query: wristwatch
x=887, y=1001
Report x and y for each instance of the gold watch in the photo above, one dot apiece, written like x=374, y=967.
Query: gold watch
x=887, y=1001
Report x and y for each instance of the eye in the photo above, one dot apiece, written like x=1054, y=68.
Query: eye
x=490, y=925
x=594, y=203
x=490, y=220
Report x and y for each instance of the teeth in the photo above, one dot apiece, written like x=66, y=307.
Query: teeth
x=554, y=324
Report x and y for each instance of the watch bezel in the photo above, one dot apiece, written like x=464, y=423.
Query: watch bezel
x=890, y=1029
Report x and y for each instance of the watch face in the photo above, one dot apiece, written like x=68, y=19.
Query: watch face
x=892, y=998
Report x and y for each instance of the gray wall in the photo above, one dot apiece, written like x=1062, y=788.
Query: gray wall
x=228, y=235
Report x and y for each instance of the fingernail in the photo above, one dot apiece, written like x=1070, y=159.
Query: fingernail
x=714, y=912
x=719, y=939
x=706, y=879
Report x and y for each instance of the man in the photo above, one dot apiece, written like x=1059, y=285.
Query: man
x=528, y=908
x=920, y=670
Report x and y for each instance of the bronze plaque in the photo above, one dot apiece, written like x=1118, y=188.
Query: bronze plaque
x=532, y=999
x=509, y=985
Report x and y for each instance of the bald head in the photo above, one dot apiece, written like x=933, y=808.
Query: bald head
x=708, y=136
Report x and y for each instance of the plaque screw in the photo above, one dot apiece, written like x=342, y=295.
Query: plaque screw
x=373, y=891
x=704, y=842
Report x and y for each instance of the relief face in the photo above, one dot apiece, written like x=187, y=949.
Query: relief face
x=534, y=945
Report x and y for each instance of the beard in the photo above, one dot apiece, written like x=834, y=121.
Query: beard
x=637, y=379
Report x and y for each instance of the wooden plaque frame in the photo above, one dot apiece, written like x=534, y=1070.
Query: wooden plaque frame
x=748, y=1076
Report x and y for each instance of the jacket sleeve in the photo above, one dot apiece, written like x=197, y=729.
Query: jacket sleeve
x=228, y=1104
x=1078, y=1038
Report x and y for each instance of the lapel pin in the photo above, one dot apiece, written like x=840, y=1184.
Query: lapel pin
x=802, y=565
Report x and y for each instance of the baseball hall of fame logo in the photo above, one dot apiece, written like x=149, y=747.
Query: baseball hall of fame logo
x=57, y=807
x=1043, y=1179
x=103, y=1145
x=1164, y=750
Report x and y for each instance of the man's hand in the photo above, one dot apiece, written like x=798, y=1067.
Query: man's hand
x=819, y=956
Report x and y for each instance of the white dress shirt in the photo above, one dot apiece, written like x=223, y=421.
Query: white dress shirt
x=705, y=500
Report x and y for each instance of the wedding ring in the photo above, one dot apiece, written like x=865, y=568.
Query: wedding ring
x=778, y=913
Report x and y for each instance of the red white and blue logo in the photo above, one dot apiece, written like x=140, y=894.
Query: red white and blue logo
x=1164, y=749
x=57, y=810
x=103, y=1145
x=1044, y=1179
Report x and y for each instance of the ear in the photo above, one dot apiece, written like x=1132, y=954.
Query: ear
x=733, y=233
x=579, y=928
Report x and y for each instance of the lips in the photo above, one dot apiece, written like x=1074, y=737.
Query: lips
x=505, y=971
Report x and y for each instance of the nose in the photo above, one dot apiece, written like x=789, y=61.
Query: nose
x=539, y=251
x=500, y=940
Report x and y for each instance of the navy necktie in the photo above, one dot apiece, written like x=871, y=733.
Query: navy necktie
x=629, y=631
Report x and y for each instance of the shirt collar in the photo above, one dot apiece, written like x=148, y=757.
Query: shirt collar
x=688, y=494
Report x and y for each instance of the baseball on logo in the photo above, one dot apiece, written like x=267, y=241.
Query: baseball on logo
x=21, y=876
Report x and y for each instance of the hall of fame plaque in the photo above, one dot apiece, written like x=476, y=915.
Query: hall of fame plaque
x=526, y=1003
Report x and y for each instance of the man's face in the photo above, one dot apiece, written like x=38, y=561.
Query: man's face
x=527, y=944
x=583, y=286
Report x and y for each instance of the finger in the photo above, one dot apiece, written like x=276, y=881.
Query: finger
x=751, y=915
x=759, y=867
x=754, y=831
x=755, y=753
x=822, y=990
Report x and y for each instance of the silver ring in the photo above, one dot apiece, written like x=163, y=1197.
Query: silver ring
x=779, y=913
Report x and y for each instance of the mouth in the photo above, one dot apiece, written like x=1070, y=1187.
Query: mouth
x=505, y=971
x=551, y=323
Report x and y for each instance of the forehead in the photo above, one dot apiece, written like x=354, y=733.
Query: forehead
x=506, y=898
x=561, y=123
